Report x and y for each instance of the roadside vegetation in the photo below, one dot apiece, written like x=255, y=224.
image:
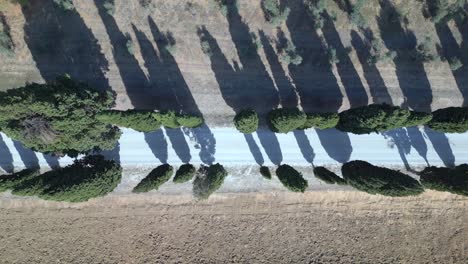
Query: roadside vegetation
x=453, y=180
x=265, y=172
x=285, y=120
x=246, y=121
x=328, y=176
x=291, y=178
x=208, y=180
x=90, y=177
x=450, y=120
x=155, y=179
x=185, y=173
x=378, y=180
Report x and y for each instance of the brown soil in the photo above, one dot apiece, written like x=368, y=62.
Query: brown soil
x=316, y=227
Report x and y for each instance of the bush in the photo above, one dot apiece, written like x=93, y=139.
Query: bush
x=379, y=118
x=316, y=10
x=58, y=117
x=454, y=180
x=455, y=63
x=291, y=178
x=450, y=120
x=208, y=180
x=289, y=54
x=321, y=120
x=332, y=56
x=377, y=180
x=110, y=7
x=327, y=176
x=265, y=172
x=357, y=18
x=274, y=13
x=65, y=4
x=444, y=10
x=90, y=177
x=142, y=121
x=246, y=121
x=129, y=44
x=155, y=179
x=185, y=173
x=8, y=182
x=424, y=51
x=190, y=121
x=285, y=120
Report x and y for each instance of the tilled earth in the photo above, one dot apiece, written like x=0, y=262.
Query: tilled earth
x=315, y=227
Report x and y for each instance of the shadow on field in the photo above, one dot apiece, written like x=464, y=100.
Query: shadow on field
x=6, y=159
x=410, y=71
x=314, y=80
x=442, y=146
x=28, y=156
x=377, y=87
x=246, y=83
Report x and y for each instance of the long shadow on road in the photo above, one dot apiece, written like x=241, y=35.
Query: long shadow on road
x=28, y=156
x=6, y=159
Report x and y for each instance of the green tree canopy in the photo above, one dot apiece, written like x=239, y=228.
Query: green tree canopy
x=285, y=120
x=291, y=178
x=450, y=120
x=454, y=180
x=246, y=121
x=155, y=179
x=208, y=180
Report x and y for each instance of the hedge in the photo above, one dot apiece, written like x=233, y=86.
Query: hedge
x=377, y=180
x=208, y=180
x=450, y=120
x=171, y=119
x=454, y=180
x=379, y=118
x=142, y=121
x=90, y=177
x=265, y=172
x=285, y=120
x=291, y=178
x=184, y=174
x=328, y=176
x=321, y=120
x=58, y=117
x=155, y=179
x=246, y=121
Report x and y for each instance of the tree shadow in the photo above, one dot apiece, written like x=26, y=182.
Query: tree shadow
x=410, y=72
x=417, y=142
x=314, y=80
x=53, y=161
x=450, y=49
x=6, y=159
x=377, y=87
x=28, y=156
x=441, y=145
x=400, y=139
x=61, y=43
x=158, y=145
x=254, y=149
x=242, y=84
x=304, y=145
x=355, y=91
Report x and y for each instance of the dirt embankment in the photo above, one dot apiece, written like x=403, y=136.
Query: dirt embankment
x=325, y=227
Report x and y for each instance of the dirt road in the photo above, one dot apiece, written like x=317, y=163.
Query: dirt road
x=316, y=227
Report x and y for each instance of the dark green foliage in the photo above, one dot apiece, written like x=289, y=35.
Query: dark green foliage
x=328, y=176
x=291, y=178
x=377, y=180
x=8, y=182
x=285, y=120
x=142, y=121
x=90, y=177
x=418, y=118
x=185, y=173
x=58, y=117
x=450, y=120
x=321, y=120
x=378, y=118
x=246, y=121
x=356, y=15
x=265, y=172
x=289, y=54
x=208, y=180
x=274, y=13
x=444, y=10
x=454, y=180
x=170, y=119
x=155, y=179
x=190, y=121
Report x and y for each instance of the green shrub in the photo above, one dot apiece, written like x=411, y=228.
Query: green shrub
x=208, y=180
x=332, y=56
x=58, y=117
x=110, y=7
x=246, y=121
x=450, y=120
x=316, y=10
x=377, y=180
x=454, y=180
x=8, y=182
x=455, y=63
x=190, y=121
x=321, y=120
x=265, y=172
x=445, y=10
x=274, y=13
x=65, y=4
x=378, y=118
x=328, y=176
x=424, y=51
x=285, y=120
x=291, y=178
x=129, y=44
x=356, y=16
x=184, y=174
x=155, y=179
x=90, y=177
x=289, y=54
x=138, y=120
